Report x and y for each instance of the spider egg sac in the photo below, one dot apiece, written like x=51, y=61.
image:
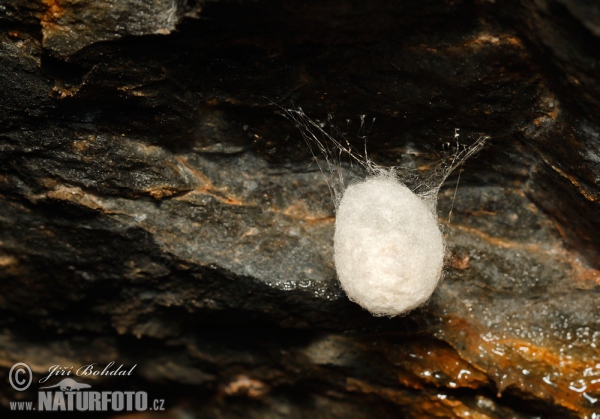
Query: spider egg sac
x=388, y=248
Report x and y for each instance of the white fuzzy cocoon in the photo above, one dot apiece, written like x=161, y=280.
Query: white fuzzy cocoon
x=389, y=250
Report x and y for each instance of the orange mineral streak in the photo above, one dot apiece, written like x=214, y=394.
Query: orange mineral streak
x=459, y=262
x=245, y=386
x=587, y=195
x=434, y=363
x=582, y=272
x=517, y=355
x=48, y=20
x=301, y=211
x=427, y=359
x=206, y=186
x=77, y=195
x=54, y=10
x=579, y=272
x=480, y=212
x=496, y=241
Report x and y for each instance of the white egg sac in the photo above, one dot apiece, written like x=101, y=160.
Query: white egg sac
x=389, y=250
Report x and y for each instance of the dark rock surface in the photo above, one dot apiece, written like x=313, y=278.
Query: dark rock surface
x=157, y=209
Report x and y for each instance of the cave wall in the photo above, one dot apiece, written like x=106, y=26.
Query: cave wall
x=158, y=209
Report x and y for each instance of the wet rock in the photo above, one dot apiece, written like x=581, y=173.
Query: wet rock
x=157, y=209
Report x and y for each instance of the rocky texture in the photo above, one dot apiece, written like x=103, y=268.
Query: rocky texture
x=69, y=25
x=157, y=209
